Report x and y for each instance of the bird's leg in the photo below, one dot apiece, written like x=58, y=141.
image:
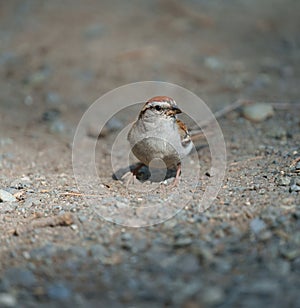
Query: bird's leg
x=177, y=177
x=132, y=174
x=136, y=170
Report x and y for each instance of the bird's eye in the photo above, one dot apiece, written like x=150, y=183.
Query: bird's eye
x=158, y=108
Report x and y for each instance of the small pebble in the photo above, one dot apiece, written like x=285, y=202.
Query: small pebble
x=30, y=202
x=263, y=287
x=38, y=77
x=26, y=255
x=114, y=124
x=291, y=254
x=182, y=242
x=28, y=100
x=58, y=291
x=7, y=300
x=98, y=251
x=213, y=295
x=296, y=265
x=265, y=235
x=278, y=133
x=284, y=181
x=258, y=112
x=74, y=227
x=213, y=63
x=51, y=115
x=23, y=182
x=5, y=196
x=296, y=181
x=111, y=125
x=57, y=126
x=53, y=98
x=5, y=141
x=257, y=225
x=20, y=277
x=8, y=207
x=295, y=188
x=82, y=218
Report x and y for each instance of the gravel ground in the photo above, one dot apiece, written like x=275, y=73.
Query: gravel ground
x=56, y=250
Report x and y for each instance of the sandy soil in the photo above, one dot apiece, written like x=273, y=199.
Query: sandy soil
x=56, y=59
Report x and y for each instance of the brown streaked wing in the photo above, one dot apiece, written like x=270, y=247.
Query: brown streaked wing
x=183, y=131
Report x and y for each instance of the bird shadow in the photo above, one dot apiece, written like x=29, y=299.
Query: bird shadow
x=145, y=173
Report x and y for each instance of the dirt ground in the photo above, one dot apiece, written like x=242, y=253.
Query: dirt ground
x=56, y=59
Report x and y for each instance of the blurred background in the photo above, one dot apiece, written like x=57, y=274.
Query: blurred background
x=56, y=59
x=63, y=55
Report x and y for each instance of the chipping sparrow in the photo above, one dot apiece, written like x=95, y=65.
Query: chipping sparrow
x=158, y=134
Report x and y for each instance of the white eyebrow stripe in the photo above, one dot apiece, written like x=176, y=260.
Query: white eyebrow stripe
x=163, y=104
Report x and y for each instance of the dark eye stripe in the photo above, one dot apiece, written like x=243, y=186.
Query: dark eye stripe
x=156, y=107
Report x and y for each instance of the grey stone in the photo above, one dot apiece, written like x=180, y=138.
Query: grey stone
x=7, y=300
x=258, y=112
x=284, y=181
x=98, y=251
x=43, y=252
x=182, y=242
x=112, y=125
x=8, y=207
x=188, y=264
x=257, y=225
x=290, y=254
x=82, y=218
x=186, y=291
x=213, y=63
x=21, y=277
x=58, y=291
x=295, y=188
x=213, y=295
x=78, y=251
x=53, y=98
x=277, y=133
x=264, y=235
x=38, y=77
x=296, y=265
x=31, y=202
x=57, y=126
x=5, y=196
x=263, y=286
x=21, y=183
x=51, y=115
x=5, y=141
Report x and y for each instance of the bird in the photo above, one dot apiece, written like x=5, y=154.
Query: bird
x=159, y=134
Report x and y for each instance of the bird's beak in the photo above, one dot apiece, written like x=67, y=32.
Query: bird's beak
x=176, y=110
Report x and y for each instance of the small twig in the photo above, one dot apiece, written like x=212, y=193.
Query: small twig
x=61, y=220
x=77, y=194
x=199, y=135
x=239, y=103
x=218, y=115
x=71, y=194
x=294, y=162
x=246, y=161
